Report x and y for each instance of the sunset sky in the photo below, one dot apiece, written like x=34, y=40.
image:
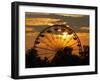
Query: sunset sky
x=36, y=22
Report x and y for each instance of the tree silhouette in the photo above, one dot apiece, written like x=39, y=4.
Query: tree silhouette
x=45, y=62
x=31, y=55
x=85, y=60
x=62, y=58
x=65, y=57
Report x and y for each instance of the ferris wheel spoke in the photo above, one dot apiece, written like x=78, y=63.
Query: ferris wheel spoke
x=68, y=41
x=61, y=39
x=73, y=44
x=45, y=48
x=53, y=36
x=75, y=49
x=47, y=44
x=41, y=51
x=58, y=40
x=58, y=36
x=42, y=45
x=51, y=41
x=45, y=53
x=61, y=42
x=54, y=40
x=50, y=56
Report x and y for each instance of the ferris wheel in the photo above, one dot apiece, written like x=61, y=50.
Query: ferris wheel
x=55, y=38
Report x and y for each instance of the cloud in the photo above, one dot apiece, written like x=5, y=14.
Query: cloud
x=29, y=29
x=71, y=15
x=84, y=28
x=40, y=21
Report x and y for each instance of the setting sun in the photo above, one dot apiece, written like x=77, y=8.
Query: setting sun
x=65, y=34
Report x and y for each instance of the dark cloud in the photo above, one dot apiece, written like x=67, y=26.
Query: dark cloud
x=75, y=22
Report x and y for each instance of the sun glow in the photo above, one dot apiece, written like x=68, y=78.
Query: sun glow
x=64, y=35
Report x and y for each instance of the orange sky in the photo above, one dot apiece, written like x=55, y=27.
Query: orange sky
x=32, y=32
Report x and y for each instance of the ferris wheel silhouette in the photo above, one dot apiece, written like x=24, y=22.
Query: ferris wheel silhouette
x=55, y=38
